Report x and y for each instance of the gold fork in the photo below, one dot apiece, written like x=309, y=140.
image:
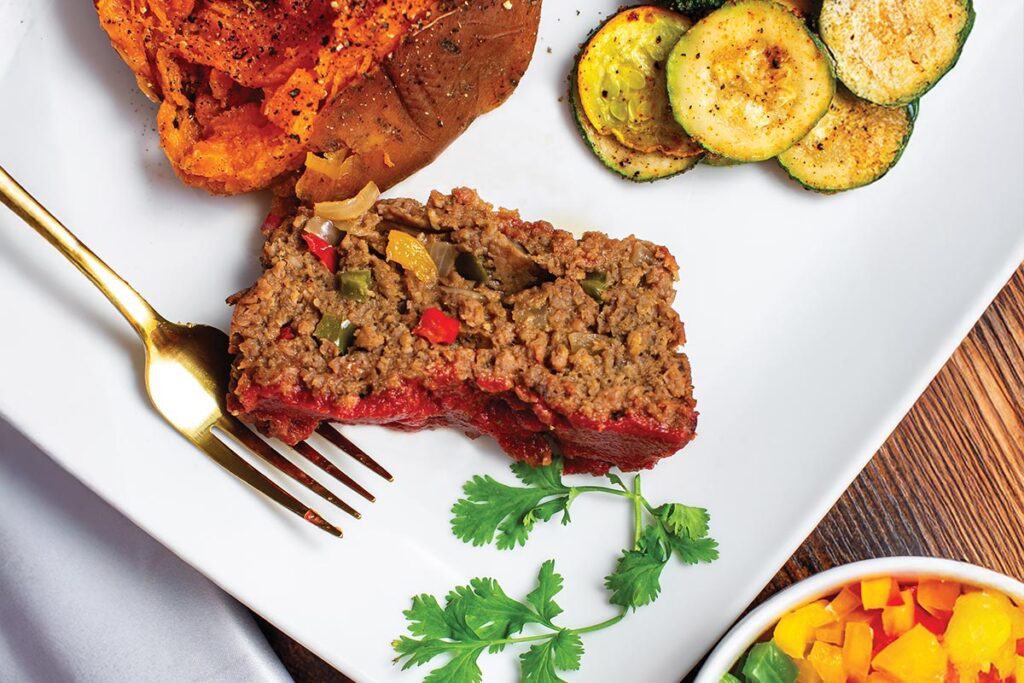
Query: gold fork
x=187, y=369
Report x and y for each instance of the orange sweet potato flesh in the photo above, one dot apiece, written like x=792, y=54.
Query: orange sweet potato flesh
x=247, y=87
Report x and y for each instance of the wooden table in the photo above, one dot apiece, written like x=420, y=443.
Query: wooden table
x=949, y=481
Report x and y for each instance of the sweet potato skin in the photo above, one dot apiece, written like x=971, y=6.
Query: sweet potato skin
x=243, y=84
x=404, y=113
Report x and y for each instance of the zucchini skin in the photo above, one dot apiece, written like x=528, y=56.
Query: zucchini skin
x=694, y=8
x=915, y=96
x=912, y=110
x=632, y=172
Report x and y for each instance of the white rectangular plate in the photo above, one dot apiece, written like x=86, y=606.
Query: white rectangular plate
x=814, y=322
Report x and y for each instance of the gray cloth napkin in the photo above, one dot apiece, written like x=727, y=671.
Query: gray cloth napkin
x=87, y=596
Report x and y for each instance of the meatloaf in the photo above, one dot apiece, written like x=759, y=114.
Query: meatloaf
x=451, y=313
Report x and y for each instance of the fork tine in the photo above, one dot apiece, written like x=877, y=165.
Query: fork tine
x=341, y=441
x=246, y=437
x=236, y=465
x=310, y=454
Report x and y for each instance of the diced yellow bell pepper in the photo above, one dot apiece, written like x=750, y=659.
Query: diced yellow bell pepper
x=409, y=252
x=880, y=677
x=1006, y=659
x=877, y=593
x=915, y=657
x=833, y=633
x=937, y=596
x=1018, y=671
x=793, y=632
x=978, y=630
x=845, y=602
x=897, y=620
x=806, y=673
x=857, y=643
x=827, y=660
x=1017, y=625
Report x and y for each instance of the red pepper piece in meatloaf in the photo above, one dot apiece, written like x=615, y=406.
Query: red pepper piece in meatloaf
x=561, y=345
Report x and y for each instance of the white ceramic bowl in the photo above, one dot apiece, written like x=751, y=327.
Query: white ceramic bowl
x=750, y=628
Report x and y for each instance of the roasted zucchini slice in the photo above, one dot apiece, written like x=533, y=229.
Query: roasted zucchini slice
x=854, y=144
x=892, y=52
x=749, y=80
x=637, y=166
x=621, y=77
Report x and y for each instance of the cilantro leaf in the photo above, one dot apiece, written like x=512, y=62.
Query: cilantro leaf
x=495, y=512
x=426, y=618
x=492, y=614
x=615, y=479
x=636, y=579
x=546, y=476
x=682, y=519
x=462, y=668
x=549, y=584
x=419, y=652
x=694, y=550
x=537, y=665
x=490, y=507
x=568, y=649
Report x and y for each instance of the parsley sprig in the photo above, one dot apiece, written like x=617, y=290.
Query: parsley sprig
x=481, y=617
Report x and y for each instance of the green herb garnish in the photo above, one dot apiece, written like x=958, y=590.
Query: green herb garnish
x=503, y=514
x=481, y=617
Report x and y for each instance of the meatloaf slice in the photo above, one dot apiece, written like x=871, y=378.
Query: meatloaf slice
x=513, y=329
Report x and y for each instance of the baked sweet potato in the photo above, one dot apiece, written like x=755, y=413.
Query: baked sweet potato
x=248, y=87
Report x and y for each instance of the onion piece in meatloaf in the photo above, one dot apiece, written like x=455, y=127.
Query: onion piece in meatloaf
x=513, y=329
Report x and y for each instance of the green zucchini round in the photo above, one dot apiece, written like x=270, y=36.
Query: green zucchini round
x=637, y=166
x=749, y=80
x=853, y=145
x=621, y=80
x=892, y=57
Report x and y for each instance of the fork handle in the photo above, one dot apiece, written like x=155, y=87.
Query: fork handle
x=131, y=305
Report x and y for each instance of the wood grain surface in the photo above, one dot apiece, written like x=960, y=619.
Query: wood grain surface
x=949, y=482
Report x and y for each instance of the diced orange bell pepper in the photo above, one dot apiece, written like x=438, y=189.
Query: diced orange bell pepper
x=877, y=593
x=897, y=620
x=915, y=657
x=793, y=632
x=845, y=602
x=937, y=596
x=979, y=631
x=827, y=660
x=857, y=644
x=833, y=633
